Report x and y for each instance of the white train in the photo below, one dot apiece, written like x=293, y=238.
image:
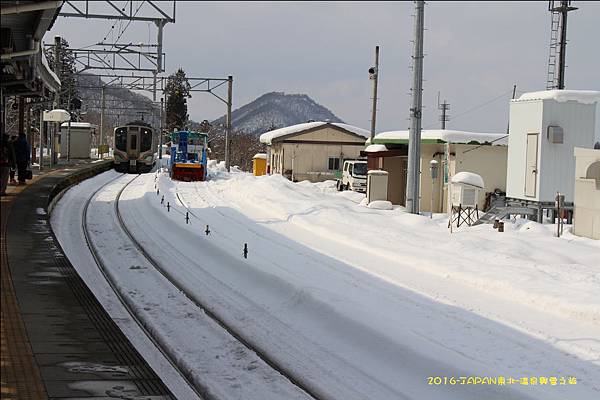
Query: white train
x=135, y=145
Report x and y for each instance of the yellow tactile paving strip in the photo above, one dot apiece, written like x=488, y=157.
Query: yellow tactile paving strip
x=20, y=375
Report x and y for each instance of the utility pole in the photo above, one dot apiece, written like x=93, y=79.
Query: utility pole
x=374, y=75
x=414, y=140
x=513, y=97
x=444, y=107
x=160, y=130
x=102, y=104
x=228, y=128
x=57, y=70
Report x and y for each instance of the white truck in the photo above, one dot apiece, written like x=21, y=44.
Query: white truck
x=353, y=176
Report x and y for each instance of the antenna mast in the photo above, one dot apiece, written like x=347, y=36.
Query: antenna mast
x=558, y=43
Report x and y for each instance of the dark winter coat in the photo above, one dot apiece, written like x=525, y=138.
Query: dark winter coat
x=21, y=149
x=7, y=158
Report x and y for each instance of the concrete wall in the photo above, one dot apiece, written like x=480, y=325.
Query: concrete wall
x=586, y=219
x=487, y=161
x=306, y=155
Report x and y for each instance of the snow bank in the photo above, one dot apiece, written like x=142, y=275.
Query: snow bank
x=268, y=137
x=580, y=96
x=381, y=205
x=444, y=135
x=468, y=178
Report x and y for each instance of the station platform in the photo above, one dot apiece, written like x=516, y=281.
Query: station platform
x=57, y=342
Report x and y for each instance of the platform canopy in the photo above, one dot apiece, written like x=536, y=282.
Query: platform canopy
x=25, y=71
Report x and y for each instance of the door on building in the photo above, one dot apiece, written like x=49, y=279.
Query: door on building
x=531, y=165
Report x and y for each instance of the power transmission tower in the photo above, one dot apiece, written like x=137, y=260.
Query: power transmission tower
x=414, y=140
x=558, y=44
x=444, y=117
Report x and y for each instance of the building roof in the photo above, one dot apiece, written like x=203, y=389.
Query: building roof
x=278, y=134
x=79, y=125
x=442, y=136
x=580, y=96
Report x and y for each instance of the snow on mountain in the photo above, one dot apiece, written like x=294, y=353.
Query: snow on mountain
x=277, y=110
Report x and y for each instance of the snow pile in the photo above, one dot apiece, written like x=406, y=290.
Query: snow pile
x=580, y=96
x=468, y=178
x=373, y=148
x=444, y=135
x=380, y=205
x=268, y=137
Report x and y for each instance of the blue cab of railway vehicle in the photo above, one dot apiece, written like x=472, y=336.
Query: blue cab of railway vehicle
x=188, y=156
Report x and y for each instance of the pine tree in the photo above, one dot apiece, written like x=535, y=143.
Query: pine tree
x=177, y=91
x=66, y=74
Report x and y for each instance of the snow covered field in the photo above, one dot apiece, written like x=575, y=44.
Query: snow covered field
x=361, y=303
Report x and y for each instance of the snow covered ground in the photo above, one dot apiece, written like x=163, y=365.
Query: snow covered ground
x=362, y=303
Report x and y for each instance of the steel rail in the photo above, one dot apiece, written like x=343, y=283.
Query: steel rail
x=126, y=304
x=211, y=314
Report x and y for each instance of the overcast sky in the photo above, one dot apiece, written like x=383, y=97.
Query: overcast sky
x=475, y=53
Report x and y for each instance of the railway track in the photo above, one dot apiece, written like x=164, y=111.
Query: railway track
x=103, y=269
x=170, y=278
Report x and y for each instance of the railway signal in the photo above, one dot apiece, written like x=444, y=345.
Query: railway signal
x=187, y=217
x=245, y=250
x=207, y=231
x=168, y=207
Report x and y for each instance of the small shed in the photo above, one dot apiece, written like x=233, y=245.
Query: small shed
x=312, y=151
x=78, y=144
x=259, y=164
x=545, y=127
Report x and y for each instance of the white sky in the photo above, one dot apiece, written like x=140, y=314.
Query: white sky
x=475, y=52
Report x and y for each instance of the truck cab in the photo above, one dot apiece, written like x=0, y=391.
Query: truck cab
x=353, y=176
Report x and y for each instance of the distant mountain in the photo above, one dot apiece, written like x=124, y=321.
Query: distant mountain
x=277, y=110
x=121, y=105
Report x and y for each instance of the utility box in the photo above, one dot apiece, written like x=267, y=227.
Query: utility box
x=78, y=145
x=259, y=164
x=377, y=184
x=545, y=127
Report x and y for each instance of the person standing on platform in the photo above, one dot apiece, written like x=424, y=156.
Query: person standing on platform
x=7, y=162
x=22, y=156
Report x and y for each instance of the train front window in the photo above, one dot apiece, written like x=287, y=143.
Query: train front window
x=133, y=143
x=146, y=140
x=121, y=139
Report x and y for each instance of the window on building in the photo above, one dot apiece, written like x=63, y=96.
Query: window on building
x=333, y=163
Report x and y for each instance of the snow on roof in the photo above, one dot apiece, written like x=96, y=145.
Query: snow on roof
x=375, y=148
x=260, y=155
x=580, y=96
x=45, y=64
x=468, y=178
x=443, y=135
x=79, y=125
x=268, y=137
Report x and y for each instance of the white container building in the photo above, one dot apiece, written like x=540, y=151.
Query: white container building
x=545, y=127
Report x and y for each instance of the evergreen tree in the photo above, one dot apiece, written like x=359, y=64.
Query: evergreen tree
x=66, y=74
x=177, y=91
